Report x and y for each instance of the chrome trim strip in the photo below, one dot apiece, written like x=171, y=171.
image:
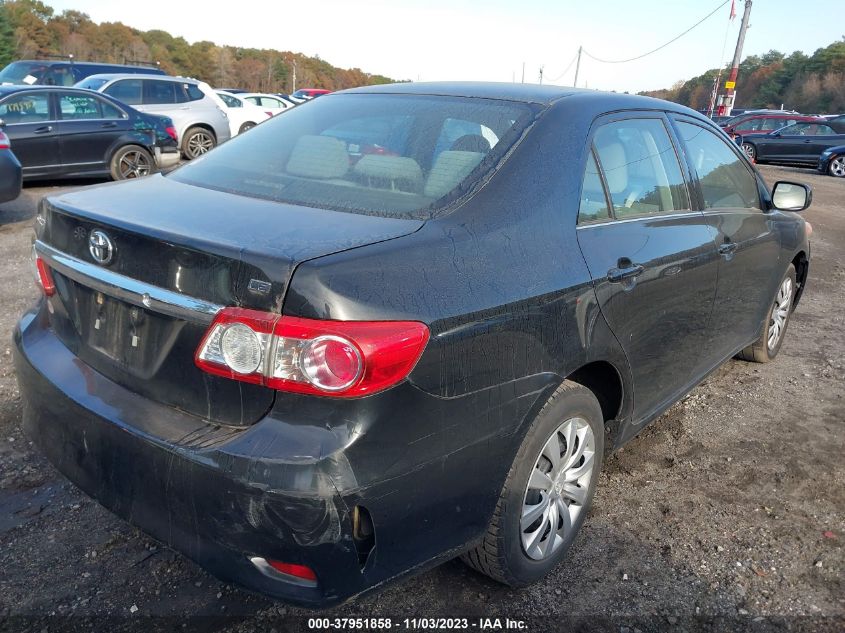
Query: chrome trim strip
x=127, y=289
x=640, y=218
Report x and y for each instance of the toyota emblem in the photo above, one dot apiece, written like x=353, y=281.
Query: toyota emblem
x=100, y=246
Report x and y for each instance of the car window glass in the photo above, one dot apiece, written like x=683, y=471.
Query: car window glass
x=773, y=124
x=25, y=108
x=271, y=103
x=382, y=135
x=640, y=167
x=159, y=92
x=73, y=106
x=253, y=100
x=194, y=93
x=230, y=102
x=593, y=206
x=58, y=76
x=725, y=180
x=824, y=130
x=461, y=135
x=752, y=124
x=126, y=90
x=110, y=111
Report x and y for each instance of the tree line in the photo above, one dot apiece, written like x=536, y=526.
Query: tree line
x=811, y=84
x=30, y=29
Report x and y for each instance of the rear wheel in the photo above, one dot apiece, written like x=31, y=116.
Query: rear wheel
x=246, y=126
x=836, y=167
x=548, y=491
x=773, y=329
x=750, y=151
x=131, y=161
x=197, y=141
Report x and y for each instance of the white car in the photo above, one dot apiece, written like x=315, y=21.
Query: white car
x=242, y=114
x=271, y=103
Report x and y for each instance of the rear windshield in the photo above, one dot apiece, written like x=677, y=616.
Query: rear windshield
x=393, y=155
x=92, y=83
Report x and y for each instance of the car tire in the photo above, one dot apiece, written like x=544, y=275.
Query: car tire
x=750, y=151
x=836, y=166
x=506, y=552
x=197, y=141
x=246, y=126
x=131, y=161
x=765, y=348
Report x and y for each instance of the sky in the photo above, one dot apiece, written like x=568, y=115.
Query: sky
x=489, y=40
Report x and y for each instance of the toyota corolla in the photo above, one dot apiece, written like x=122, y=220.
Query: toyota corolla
x=399, y=325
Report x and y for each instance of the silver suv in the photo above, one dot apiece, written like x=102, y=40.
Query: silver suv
x=197, y=112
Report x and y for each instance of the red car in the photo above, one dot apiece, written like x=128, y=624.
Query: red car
x=309, y=93
x=752, y=122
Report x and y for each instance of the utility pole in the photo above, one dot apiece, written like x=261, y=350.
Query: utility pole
x=523, y=72
x=577, y=67
x=728, y=101
x=541, y=75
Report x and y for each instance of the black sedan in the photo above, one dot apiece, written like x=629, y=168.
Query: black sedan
x=797, y=144
x=72, y=132
x=315, y=369
x=832, y=161
x=10, y=170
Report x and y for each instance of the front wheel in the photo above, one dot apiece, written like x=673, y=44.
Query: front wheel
x=131, y=161
x=773, y=329
x=246, y=126
x=836, y=167
x=197, y=142
x=750, y=151
x=548, y=491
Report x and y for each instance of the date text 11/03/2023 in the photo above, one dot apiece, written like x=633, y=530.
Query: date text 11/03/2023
x=416, y=624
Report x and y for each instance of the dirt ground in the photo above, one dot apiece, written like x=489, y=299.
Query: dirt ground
x=727, y=512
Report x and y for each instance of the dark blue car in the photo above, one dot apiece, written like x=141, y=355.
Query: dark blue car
x=10, y=169
x=315, y=369
x=832, y=161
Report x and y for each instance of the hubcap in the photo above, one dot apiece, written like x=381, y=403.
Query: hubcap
x=780, y=312
x=557, y=489
x=200, y=143
x=749, y=150
x=134, y=165
x=837, y=167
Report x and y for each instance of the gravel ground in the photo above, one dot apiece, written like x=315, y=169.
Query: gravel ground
x=727, y=513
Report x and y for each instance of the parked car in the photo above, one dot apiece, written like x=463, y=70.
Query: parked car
x=310, y=93
x=10, y=169
x=269, y=103
x=242, y=114
x=315, y=375
x=754, y=122
x=832, y=161
x=197, y=112
x=799, y=143
x=72, y=132
x=63, y=73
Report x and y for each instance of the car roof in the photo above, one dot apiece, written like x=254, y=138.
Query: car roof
x=526, y=93
x=76, y=63
x=112, y=76
x=4, y=90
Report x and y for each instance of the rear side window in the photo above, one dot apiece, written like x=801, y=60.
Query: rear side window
x=593, y=206
x=725, y=180
x=25, y=108
x=193, y=92
x=126, y=90
x=367, y=153
x=640, y=168
x=159, y=92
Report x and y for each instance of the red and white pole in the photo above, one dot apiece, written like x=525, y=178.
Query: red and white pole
x=730, y=85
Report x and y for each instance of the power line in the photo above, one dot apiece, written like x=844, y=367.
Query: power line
x=662, y=46
x=568, y=66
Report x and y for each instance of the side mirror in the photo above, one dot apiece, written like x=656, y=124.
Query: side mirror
x=791, y=196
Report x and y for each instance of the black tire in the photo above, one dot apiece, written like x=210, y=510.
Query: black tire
x=131, y=161
x=246, y=126
x=197, y=141
x=760, y=351
x=750, y=151
x=500, y=554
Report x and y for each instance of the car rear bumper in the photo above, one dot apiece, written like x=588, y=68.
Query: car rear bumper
x=10, y=176
x=286, y=487
x=167, y=158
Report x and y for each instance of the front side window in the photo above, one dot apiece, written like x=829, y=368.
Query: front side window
x=725, y=180
x=749, y=126
x=74, y=106
x=126, y=90
x=366, y=153
x=640, y=168
x=25, y=108
x=807, y=129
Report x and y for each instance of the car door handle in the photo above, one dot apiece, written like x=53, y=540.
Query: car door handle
x=727, y=248
x=110, y=124
x=618, y=275
x=43, y=129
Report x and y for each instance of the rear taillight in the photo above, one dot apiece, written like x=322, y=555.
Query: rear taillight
x=4, y=141
x=43, y=277
x=171, y=132
x=268, y=113
x=331, y=358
